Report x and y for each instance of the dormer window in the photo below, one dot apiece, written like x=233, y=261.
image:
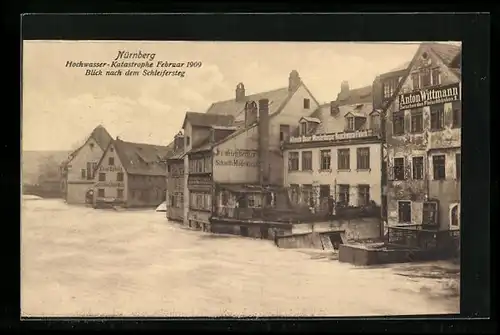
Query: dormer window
x=354, y=121
x=350, y=124
x=91, y=145
x=303, y=128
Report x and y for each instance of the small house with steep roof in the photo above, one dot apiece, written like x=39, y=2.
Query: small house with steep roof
x=132, y=174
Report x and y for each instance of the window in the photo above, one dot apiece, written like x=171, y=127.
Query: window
x=293, y=161
x=188, y=140
x=425, y=78
x=343, y=158
x=458, y=166
x=418, y=167
x=363, y=161
x=350, y=124
x=389, y=88
x=363, y=195
x=417, y=121
x=457, y=114
x=307, y=103
x=111, y=149
x=119, y=176
x=437, y=115
x=84, y=173
x=326, y=159
x=399, y=168
x=398, y=123
x=415, y=78
x=102, y=176
x=284, y=132
x=100, y=193
x=344, y=195
x=404, y=211
x=324, y=191
x=436, y=78
x=375, y=121
x=455, y=216
x=111, y=161
x=430, y=213
x=439, y=165
x=294, y=193
x=306, y=160
x=307, y=194
x=119, y=193
x=303, y=128
x=91, y=146
x=90, y=171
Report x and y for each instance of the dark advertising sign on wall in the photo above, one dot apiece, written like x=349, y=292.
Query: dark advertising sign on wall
x=430, y=96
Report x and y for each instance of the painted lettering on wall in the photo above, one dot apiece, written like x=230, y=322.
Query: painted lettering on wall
x=240, y=157
x=109, y=184
x=427, y=97
x=333, y=137
x=110, y=169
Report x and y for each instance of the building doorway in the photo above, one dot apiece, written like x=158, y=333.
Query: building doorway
x=244, y=231
x=264, y=232
x=336, y=239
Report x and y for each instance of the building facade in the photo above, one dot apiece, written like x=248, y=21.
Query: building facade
x=131, y=174
x=78, y=170
x=175, y=181
x=229, y=160
x=423, y=135
x=337, y=153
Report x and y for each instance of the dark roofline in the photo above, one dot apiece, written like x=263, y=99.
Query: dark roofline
x=74, y=152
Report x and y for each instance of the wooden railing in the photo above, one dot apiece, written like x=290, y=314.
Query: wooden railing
x=415, y=236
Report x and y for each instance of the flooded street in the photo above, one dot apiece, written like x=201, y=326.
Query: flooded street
x=78, y=261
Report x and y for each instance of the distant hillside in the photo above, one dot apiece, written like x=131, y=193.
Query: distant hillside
x=31, y=160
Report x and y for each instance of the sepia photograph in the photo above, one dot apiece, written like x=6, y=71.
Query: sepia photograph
x=240, y=179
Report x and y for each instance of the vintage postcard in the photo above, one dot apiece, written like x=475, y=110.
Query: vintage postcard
x=203, y=179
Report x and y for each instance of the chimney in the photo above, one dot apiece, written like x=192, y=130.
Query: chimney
x=294, y=81
x=334, y=108
x=378, y=93
x=344, y=87
x=250, y=113
x=240, y=92
x=263, y=128
x=178, y=141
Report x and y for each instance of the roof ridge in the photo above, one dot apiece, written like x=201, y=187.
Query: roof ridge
x=258, y=93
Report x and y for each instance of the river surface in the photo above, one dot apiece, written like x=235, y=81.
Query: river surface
x=78, y=261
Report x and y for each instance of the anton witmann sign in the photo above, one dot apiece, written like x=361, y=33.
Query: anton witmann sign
x=430, y=96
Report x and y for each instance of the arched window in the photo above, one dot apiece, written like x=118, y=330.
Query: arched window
x=455, y=216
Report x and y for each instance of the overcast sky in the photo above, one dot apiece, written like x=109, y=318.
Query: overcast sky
x=61, y=105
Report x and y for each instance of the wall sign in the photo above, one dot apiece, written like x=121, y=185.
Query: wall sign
x=332, y=137
x=236, y=157
x=110, y=169
x=431, y=96
x=109, y=184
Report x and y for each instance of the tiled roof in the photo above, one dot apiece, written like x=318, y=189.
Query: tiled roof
x=456, y=71
x=142, y=158
x=236, y=108
x=336, y=123
x=447, y=52
x=207, y=120
x=101, y=136
x=355, y=96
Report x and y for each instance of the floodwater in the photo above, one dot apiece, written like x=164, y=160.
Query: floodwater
x=78, y=261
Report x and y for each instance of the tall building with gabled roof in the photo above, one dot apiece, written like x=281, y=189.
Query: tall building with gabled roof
x=78, y=169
